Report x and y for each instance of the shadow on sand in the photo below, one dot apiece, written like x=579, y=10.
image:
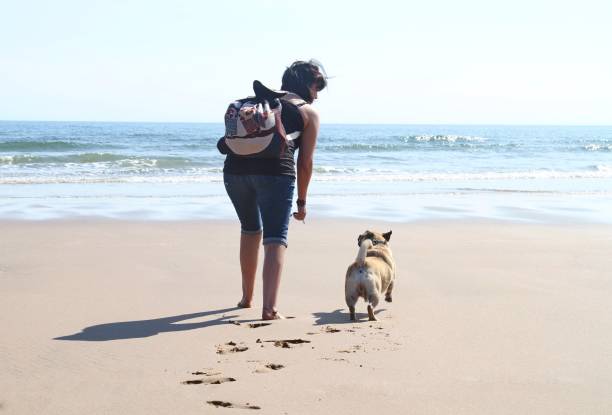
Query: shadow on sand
x=340, y=316
x=147, y=328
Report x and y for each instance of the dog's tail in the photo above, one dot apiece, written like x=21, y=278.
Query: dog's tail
x=363, y=251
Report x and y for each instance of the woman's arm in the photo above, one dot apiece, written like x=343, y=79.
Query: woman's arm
x=306, y=155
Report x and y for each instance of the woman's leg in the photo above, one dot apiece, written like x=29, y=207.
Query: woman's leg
x=274, y=197
x=249, y=253
x=242, y=194
x=274, y=257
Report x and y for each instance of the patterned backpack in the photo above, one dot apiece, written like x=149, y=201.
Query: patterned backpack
x=253, y=126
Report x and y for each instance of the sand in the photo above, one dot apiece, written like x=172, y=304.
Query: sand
x=102, y=317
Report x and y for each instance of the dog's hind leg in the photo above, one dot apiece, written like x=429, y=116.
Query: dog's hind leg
x=372, y=303
x=350, y=302
x=388, y=297
x=371, y=315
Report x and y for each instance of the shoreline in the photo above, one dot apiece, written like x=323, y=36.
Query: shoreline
x=326, y=200
x=316, y=221
x=394, y=209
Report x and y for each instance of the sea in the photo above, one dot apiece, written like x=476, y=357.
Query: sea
x=397, y=173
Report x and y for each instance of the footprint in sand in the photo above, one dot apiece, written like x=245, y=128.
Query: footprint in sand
x=202, y=373
x=285, y=344
x=199, y=373
x=222, y=404
x=334, y=360
x=352, y=350
x=256, y=325
x=269, y=367
x=212, y=381
x=231, y=347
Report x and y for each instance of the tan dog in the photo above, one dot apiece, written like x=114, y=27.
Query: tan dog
x=372, y=273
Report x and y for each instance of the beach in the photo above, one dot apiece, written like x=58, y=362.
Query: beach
x=475, y=134
x=119, y=274
x=489, y=317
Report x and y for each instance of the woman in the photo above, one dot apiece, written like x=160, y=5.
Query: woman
x=261, y=190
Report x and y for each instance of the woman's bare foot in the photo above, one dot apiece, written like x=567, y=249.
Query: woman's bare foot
x=271, y=315
x=244, y=304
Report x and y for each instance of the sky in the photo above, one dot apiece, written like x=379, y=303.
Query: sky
x=407, y=62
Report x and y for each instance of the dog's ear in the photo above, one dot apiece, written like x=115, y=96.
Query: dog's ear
x=359, y=239
x=387, y=235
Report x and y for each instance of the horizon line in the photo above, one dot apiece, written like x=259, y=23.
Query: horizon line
x=323, y=124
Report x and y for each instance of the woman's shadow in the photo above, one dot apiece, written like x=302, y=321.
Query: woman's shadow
x=147, y=328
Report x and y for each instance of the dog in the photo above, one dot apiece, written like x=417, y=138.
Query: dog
x=372, y=273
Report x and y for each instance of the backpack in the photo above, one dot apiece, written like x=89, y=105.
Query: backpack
x=253, y=126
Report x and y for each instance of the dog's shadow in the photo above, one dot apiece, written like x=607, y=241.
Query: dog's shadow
x=146, y=328
x=340, y=316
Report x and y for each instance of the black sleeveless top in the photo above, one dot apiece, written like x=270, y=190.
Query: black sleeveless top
x=281, y=166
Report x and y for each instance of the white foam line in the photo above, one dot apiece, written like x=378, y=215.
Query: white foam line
x=601, y=172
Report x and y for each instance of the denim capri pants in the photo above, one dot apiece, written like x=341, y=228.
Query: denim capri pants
x=262, y=200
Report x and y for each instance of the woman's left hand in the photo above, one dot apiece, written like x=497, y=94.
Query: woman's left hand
x=300, y=214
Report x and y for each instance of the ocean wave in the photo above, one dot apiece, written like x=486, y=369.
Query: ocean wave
x=214, y=174
x=414, y=143
x=151, y=135
x=598, y=147
x=601, y=172
x=445, y=138
x=361, y=147
x=334, y=170
x=601, y=168
x=42, y=146
x=118, y=160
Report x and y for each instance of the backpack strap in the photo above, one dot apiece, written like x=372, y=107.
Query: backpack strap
x=294, y=99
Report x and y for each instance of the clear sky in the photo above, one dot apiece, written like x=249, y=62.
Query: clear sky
x=414, y=62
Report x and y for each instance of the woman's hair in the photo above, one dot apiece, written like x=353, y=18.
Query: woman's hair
x=301, y=75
